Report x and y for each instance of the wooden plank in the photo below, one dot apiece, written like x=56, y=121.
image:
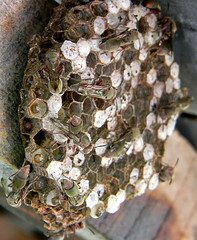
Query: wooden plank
x=127, y=213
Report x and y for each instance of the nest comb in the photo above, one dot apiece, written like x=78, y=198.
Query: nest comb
x=101, y=93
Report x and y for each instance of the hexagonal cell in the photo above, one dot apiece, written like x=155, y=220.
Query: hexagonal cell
x=121, y=164
x=92, y=131
x=41, y=184
x=28, y=81
x=55, y=86
x=67, y=98
x=128, y=87
x=160, y=147
x=99, y=69
x=148, y=152
x=101, y=103
x=102, y=131
x=76, y=125
x=38, y=109
x=139, y=160
x=119, y=64
x=87, y=120
x=144, y=91
x=94, y=163
x=97, y=210
x=148, y=136
x=67, y=68
x=114, y=186
x=88, y=106
x=80, y=30
x=140, y=111
x=91, y=60
x=74, y=79
x=75, y=109
x=26, y=125
x=140, y=187
x=150, y=119
x=26, y=140
x=145, y=66
x=142, y=26
x=107, y=70
x=130, y=191
x=99, y=8
x=105, y=80
x=43, y=138
x=41, y=91
x=79, y=159
x=59, y=153
x=84, y=140
x=163, y=73
x=62, y=114
x=77, y=97
x=120, y=176
x=40, y=157
x=148, y=170
x=129, y=56
x=105, y=196
x=84, y=169
x=127, y=114
x=29, y=125
x=92, y=179
x=82, y=13
x=100, y=174
x=111, y=169
x=58, y=37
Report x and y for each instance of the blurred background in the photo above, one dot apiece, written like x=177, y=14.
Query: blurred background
x=167, y=213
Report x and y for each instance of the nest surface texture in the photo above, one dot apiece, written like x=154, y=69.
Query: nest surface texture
x=101, y=94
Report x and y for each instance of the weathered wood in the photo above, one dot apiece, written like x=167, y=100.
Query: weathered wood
x=185, y=43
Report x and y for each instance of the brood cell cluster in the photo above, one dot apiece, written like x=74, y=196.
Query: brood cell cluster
x=101, y=94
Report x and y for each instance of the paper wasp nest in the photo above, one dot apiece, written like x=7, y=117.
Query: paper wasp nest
x=101, y=94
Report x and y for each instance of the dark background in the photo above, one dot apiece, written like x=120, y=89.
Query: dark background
x=184, y=13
